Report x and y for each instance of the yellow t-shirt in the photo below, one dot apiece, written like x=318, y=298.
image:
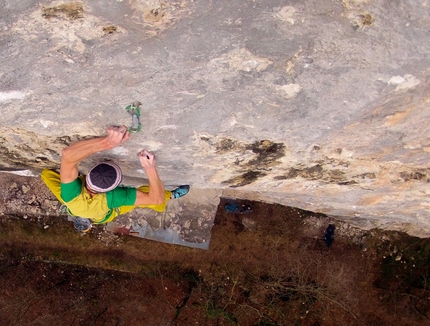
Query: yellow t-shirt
x=100, y=207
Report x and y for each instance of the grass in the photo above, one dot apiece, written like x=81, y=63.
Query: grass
x=72, y=10
x=264, y=277
x=60, y=243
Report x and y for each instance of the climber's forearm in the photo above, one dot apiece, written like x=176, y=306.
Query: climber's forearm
x=155, y=194
x=72, y=155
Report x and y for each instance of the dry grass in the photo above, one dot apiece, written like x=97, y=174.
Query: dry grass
x=72, y=10
x=110, y=29
x=273, y=275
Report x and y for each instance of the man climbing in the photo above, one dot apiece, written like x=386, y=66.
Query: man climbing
x=98, y=196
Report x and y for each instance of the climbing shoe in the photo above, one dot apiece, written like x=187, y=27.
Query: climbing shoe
x=82, y=224
x=180, y=191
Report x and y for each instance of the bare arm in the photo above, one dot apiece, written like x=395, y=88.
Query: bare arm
x=72, y=155
x=155, y=194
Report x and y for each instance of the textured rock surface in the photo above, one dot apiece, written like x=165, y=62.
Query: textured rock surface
x=321, y=105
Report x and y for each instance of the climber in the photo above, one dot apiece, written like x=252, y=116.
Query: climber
x=97, y=196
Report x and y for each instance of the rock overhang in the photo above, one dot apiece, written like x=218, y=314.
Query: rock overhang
x=318, y=105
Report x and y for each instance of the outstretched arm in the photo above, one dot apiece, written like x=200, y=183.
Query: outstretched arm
x=155, y=194
x=72, y=155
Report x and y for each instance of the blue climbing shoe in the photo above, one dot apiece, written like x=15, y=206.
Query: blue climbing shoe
x=180, y=191
x=82, y=224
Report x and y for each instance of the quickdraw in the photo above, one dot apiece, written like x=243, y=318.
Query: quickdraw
x=134, y=110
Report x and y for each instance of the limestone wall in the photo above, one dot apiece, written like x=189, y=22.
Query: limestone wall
x=319, y=104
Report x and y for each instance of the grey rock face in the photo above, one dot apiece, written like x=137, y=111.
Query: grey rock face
x=321, y=105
